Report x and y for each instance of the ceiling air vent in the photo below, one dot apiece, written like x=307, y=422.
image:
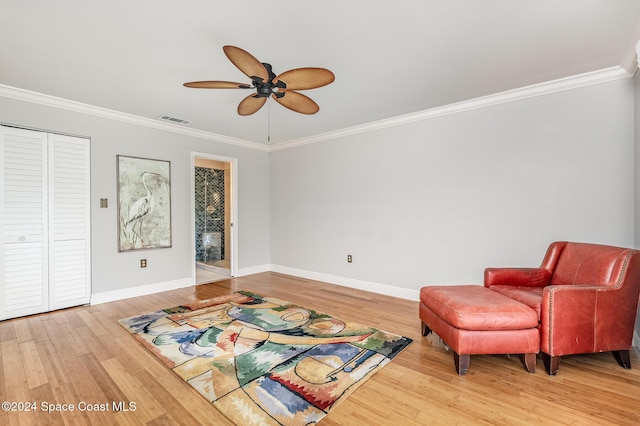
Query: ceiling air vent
x=173, y=119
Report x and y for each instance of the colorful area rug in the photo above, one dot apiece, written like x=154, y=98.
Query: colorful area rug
x=261, y=360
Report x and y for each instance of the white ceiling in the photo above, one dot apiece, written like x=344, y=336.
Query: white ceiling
x=389, y=58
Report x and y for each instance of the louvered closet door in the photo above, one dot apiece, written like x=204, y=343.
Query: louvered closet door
x=45, y=229
x=69, y=223
x=23, y=231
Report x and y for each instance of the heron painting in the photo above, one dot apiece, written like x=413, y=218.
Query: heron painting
x=144, y=203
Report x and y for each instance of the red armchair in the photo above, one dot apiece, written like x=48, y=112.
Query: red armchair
x=586, y=297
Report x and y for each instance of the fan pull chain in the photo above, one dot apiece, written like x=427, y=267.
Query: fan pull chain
x=269, y=122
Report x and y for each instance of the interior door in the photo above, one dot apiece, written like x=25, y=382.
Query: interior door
x=45, y=227
x=70, y=221
x=24, y=227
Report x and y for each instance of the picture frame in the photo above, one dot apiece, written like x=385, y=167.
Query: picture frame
x=144, y=203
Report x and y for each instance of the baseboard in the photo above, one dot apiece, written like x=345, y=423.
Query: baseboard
x=143, y=290
x=253, y=270
x=385, y=289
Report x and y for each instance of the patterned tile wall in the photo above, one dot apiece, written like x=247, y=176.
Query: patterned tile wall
x=209, y=196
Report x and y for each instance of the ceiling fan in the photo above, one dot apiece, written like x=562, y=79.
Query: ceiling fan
x=282, y=87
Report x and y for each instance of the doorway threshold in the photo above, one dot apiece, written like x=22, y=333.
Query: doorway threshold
x=213, y=268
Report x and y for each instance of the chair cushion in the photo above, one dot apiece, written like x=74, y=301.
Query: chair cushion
x=530, y=296
x=474, y=307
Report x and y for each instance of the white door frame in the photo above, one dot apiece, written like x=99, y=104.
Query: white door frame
x=233, y=264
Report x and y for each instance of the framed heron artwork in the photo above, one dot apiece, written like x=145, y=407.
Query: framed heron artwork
x=144, y=203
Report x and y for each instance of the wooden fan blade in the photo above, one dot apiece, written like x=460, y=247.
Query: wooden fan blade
x=306, y=78
x=250, y=104
x=216, y=85
x=297, y=102
x=246, y=63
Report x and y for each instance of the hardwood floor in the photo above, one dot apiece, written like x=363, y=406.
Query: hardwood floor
x=83, y=356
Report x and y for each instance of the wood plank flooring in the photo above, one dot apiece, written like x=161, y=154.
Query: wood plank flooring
x=83, y=356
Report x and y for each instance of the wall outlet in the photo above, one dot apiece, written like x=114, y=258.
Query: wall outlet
x=104, y=203
x=143, y=263
x=349, y=258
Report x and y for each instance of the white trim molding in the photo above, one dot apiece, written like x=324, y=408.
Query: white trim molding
x=252, y=270
x=385, y=289
x=143, y=290
x=568, y=83
x=55, y=102
x=573, y=82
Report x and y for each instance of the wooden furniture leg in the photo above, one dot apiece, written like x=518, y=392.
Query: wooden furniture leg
x=529, y=362
x=461, y=362
x=623, y=359
x=551, y=363
x=425, y=329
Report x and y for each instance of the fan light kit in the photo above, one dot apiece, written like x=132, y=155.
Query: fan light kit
x=266, y=84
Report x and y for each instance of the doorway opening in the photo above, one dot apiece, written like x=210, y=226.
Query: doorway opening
x=213, y=213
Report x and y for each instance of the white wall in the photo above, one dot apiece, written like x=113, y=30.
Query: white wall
x=114, y=271
x=437, y=201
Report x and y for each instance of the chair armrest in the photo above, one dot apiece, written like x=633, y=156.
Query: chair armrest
x=585, y=318
x=521, y=277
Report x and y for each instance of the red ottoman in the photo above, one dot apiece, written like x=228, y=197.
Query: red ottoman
x=473, y=320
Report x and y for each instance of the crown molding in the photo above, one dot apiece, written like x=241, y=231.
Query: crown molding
x=55, y=102
x=554, y=86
